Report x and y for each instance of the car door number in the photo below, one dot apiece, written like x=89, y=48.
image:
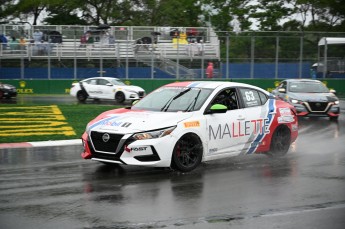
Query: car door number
x=249, y=96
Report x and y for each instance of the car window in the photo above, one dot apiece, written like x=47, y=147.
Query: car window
x=117, y=82
x=102, y=82
x=251, y=97
x=263, y=97
x=91, y=81
x=227, y=97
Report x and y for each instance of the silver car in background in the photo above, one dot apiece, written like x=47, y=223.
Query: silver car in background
x=311, y=98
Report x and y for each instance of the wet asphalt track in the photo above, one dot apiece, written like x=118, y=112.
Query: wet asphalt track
x=54, y=188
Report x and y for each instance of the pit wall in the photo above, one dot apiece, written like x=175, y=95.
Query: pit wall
x=40, y=87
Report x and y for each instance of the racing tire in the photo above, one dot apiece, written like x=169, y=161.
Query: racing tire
x=280, y=142
x=187, y=153
x=120, y=97
x=81, y=96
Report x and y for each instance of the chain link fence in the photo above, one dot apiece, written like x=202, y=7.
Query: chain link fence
x=75, y=52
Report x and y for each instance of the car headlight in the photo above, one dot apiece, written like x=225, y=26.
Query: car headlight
x=154, y=134
x=294, y=100
x=336, y=102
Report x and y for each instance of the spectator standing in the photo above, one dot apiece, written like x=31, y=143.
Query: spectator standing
x=209, y=70
x=200, y=48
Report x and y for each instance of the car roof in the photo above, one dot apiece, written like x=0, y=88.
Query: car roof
x=102, y=77
x=210, y=84
x=303, y=80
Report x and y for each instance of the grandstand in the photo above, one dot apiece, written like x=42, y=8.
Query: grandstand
x=171, y=50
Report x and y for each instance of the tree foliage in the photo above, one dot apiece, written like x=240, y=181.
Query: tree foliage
x=266, y=15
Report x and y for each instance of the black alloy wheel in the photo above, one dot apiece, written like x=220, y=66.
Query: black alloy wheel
x=280, y=142
x=187, y=154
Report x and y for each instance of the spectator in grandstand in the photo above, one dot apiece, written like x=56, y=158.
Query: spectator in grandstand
x=3, y=40
x=104, y=39
x=14, y=44
x=111, y=41
x=83, y=40
x=37, y=36
x=22, y=42
x=201, y=48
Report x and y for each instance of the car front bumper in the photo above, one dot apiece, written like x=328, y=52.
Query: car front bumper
x=151, y=152
x=315, y=109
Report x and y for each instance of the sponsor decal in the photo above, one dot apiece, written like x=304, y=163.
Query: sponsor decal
x=286, y=119
x=213, y=150
x=239, y=129
x=24, y=90
x=96, y=92
x=136, y=149
x=294, y=127
x=285, y=111
x=191, y=124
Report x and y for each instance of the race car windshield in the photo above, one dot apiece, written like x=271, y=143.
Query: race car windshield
x=308, y=87
x=174, y=99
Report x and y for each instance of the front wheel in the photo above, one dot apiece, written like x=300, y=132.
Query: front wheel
x=280, y=142
x=187, y=153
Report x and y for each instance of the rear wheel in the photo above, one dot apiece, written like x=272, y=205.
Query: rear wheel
x=280, y=142
x=187, y=154
x=81, y=96
x=120, y=97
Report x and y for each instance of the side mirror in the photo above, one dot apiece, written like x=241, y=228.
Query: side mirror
x=218, y=109
x=282, y=90
x=333, y=91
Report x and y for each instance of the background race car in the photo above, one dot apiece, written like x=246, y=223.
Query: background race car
x=183, y=124
x=311, y=98
x=7, y=91
x=106, y=88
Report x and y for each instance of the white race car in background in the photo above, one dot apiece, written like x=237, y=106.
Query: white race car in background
x=184, y=123
x=106, y=88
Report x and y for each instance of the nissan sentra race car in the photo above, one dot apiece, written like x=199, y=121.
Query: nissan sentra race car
x=311, y=98
x=182, y=124
x=106, y=88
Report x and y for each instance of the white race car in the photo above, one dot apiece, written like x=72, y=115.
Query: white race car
x=106, y=88
x=183, y=124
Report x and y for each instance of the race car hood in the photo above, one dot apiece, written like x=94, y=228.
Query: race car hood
x=133, y=88
x=313, y=97
x=138, y=121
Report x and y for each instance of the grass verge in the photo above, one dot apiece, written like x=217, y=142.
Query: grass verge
x=27, y=123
